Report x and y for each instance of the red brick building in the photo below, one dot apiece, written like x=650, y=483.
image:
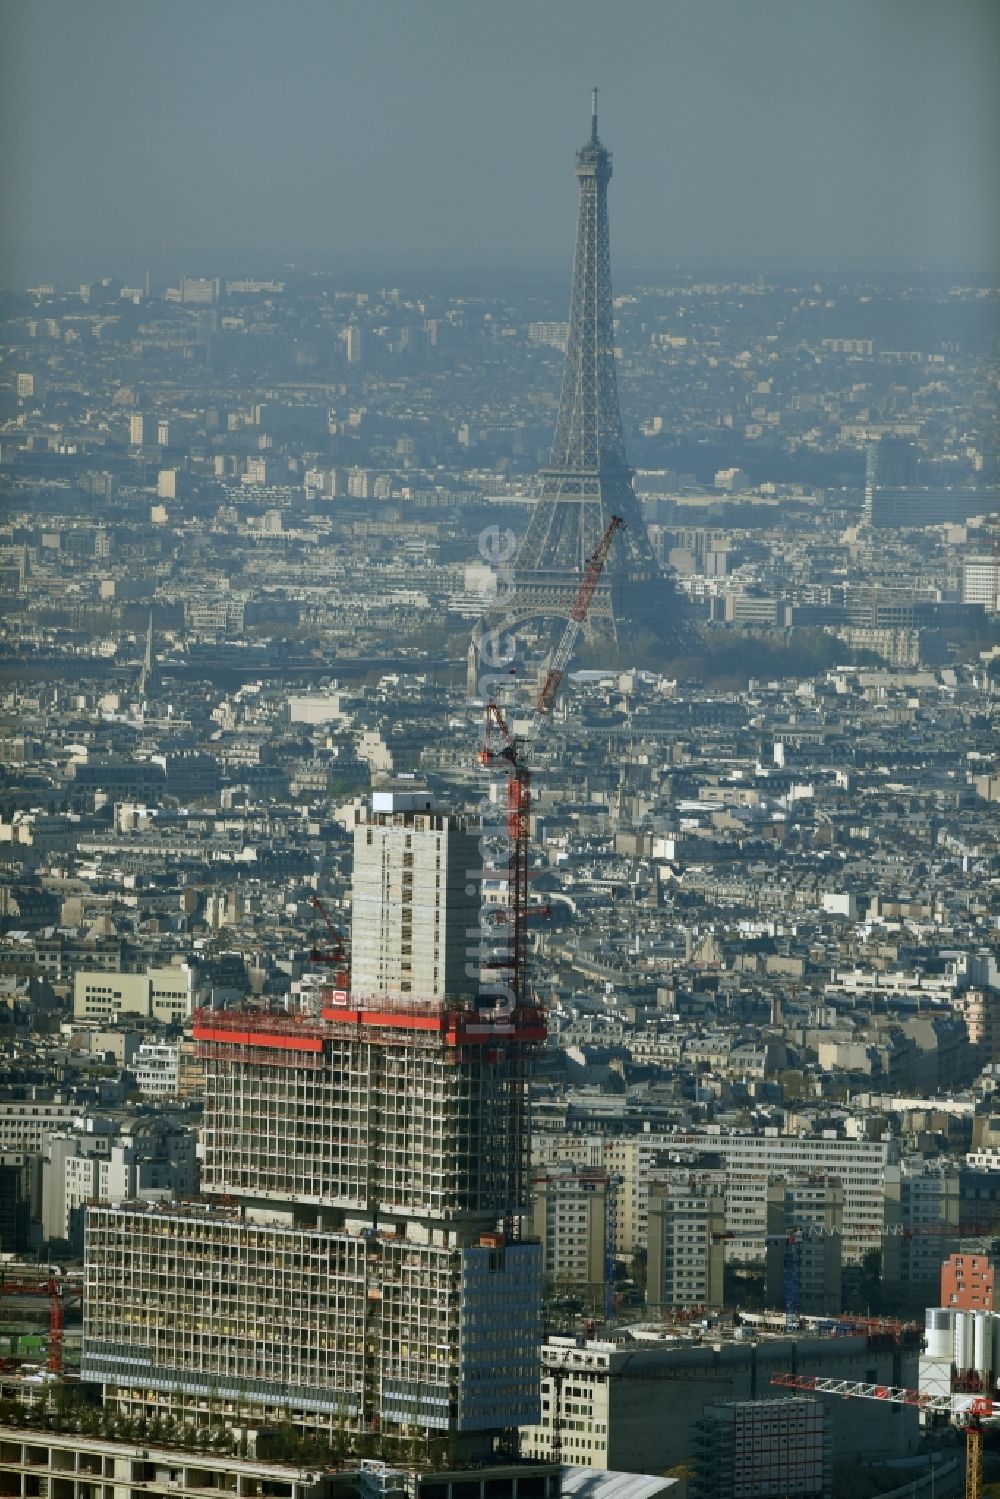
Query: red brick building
x=967, y=1282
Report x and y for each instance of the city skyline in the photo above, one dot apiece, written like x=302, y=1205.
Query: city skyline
x=408, y=1093
x=781, y=135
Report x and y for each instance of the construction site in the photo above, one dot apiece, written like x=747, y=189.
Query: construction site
x=359, y=1263
x=322, y=1112
x=33, y=1313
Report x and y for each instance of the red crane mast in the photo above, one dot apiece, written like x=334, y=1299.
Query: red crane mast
x=519, y=775
x=577, y=615
x=336, y=953
x=56, y=1291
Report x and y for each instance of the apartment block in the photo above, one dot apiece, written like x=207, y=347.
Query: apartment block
x=357, y=1263
x=198, y=1310
x=322, y=1115
x=571, y=1218
x=866, y=1168
x=157, y=1068
x=152, y=1164
x=25, y=1124
x=923, y=1213
x=161, y=993
x=416, y=901
x=981, y=582
x=18, y=1178
x=685, y=1261
x=968, y=1282
x=805, y=1218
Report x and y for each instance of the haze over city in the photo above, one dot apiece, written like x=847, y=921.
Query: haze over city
x=781, y=134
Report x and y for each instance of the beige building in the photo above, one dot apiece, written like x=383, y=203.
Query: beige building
x=416, y=901
x=164, y=994
x=570, y=1218
x=25, y=1124
x=631, y=1162
x=686, y=1252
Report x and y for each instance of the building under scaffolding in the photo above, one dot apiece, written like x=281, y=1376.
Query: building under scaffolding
x=381, y=1112
x=347, y=1270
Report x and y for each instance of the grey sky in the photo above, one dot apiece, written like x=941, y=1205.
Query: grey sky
x=863, y=133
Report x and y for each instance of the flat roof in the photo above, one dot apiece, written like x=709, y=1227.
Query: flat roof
x=595, y=1483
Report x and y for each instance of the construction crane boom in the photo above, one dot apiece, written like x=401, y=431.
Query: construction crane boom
x=519, y=777
x=577, y=615
x=967, y=1410
x=954, y=1404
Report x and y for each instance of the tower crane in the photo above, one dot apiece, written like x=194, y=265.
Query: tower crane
x=500, y=743
x=56, y=1290
x=577, y=615
x=519, y=775
x=335, y=955
x=967, y=1410
x=792, y=1271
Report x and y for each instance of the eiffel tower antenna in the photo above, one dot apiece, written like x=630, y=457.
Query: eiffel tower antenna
x=145, y=680
x=587, y=479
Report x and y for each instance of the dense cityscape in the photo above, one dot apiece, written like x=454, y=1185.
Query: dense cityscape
x=499, y=884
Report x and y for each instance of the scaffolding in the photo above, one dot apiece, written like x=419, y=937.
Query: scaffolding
x=202, y=1315
x=390, y=1109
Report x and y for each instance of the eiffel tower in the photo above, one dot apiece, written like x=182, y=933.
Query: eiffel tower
x=588, y=479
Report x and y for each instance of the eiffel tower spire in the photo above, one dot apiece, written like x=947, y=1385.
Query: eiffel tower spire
x=587, y=478
x=588, y=436
x=145, y=680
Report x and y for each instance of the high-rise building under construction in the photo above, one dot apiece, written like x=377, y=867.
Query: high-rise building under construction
x=356, y=1265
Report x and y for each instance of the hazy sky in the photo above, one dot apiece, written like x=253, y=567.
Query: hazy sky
x=799, y=133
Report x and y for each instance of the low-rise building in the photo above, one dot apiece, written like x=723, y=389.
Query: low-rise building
x=633, y=1406
x=161, y=993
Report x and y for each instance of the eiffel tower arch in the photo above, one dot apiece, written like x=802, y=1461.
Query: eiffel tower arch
x=588, y=479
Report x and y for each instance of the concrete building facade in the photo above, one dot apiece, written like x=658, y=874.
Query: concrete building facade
x=968, y=1282
x=570, y=1217
x=161, y=994
x=416, y=901
x=633, y=1407
x=805, y=1222
x=760, y=1448
x=685, y=1260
